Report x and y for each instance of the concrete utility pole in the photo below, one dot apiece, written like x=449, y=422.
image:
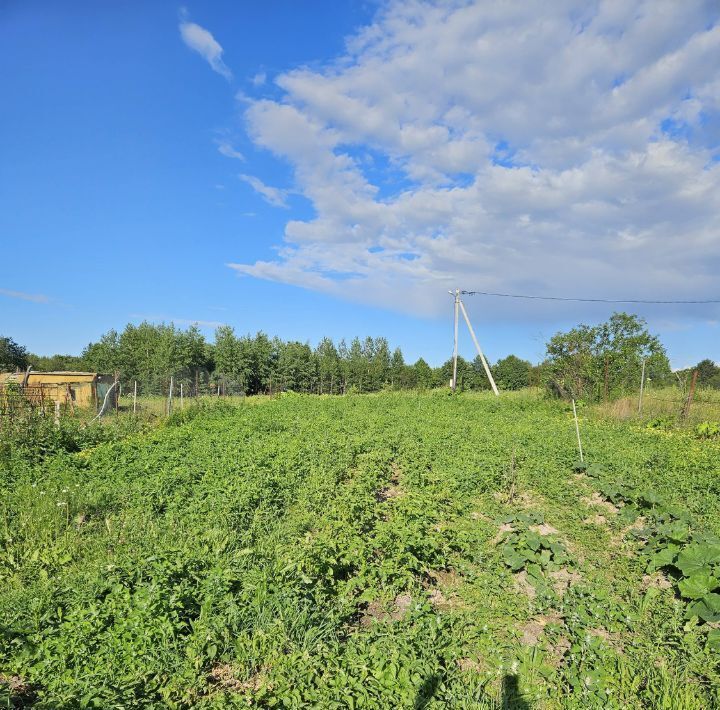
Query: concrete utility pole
x=453, y=384
x=480, y=352
x=460, y=306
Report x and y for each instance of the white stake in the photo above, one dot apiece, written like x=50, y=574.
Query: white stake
x=169, y=407
x=642, y=387
x=577, y=431
x=480, y=352
x=135, y=398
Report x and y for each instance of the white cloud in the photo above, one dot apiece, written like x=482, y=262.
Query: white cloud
x=272, y=195
x=259, y=79
x=202, y=41
x=33, y=297
x=505, y=147
x=226, y=149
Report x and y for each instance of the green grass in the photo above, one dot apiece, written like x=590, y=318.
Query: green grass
x=390, y=551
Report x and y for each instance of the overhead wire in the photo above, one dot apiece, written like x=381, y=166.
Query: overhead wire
x=589, y=300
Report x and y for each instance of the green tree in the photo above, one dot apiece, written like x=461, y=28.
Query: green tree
x=328, y=364
x=512, y=373
x=587, y=361
x=296, y=367
x=12, y=355
x=708, y=372
x=398, y=378
x=50, y=363
x=466, y=374
x=377, y=354
x=357, y=365
x=104, y=356
x=422, y=374
x=232, y=362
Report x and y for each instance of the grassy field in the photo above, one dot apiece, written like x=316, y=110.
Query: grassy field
x=380, y=551
x=665, y=405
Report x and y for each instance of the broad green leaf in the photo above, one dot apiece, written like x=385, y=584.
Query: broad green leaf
x=677, y=531
x=663, y=558
x=512, y=559
x=696, y=557
x=535, y=571
x=698, y=585
x=534, y=542
x=708, y=608
x=651, y=499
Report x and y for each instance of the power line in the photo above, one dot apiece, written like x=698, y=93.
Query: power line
x=585, y=300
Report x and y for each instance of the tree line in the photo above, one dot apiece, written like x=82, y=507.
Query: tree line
x=586, y=362
x=150, y=354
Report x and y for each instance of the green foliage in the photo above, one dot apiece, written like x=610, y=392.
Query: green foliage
x=708, y=374
x=12, y=355
x=326, y=552
x=512, y=373
x=580, y=361
x=708, y=430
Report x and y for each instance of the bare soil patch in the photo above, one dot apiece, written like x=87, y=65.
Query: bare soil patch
x=502, y=530
x=544, y=529
x=597, y=501
x=523, y=586
x=470, y=665
x=377, y=610
x=223, y=676
x=657, y=580
x=534, y=628
x=562, y=579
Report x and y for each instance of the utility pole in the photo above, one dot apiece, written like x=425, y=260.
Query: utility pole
x=460, y=306
x=453, y=384
x=480, y=352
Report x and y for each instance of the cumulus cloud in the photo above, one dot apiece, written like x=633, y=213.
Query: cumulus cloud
x=552, y=148
x=201, y=41
x=272, y=195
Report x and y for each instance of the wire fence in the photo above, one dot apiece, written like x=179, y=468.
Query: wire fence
x=22, y=400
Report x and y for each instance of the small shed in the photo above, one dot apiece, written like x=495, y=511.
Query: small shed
x=81, y=389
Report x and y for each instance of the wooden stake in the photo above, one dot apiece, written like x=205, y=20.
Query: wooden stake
x=691, y=394
x=577, y=431
x=480, y=352
x=642, y=387
x=135, y=397
x=455, y=341
x=182, y=403
x=170, y=394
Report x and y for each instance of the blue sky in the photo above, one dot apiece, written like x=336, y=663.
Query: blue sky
x=332, y=169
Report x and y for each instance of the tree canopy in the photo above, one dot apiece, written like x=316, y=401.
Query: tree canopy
x=592, y=361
